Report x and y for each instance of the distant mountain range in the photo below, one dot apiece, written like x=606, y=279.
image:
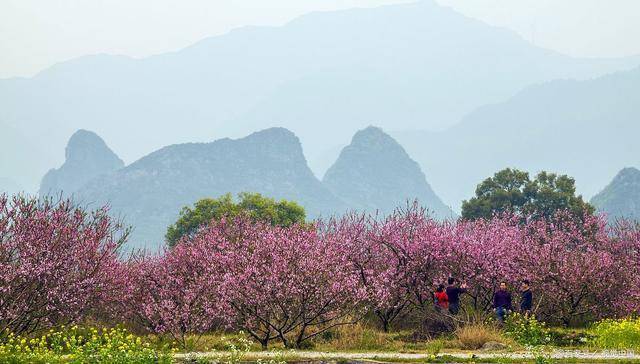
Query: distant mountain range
x=407, y=66
x=621, y=198
x=149, y=193
x=587, y=129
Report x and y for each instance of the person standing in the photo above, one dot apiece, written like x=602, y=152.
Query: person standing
x=502, y=302
x=442, y=300
x=526, y=298
x=453, y=293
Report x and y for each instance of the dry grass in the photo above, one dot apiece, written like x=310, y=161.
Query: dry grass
x=355, y=337
x=363, y=337
x=360, y=337
x=473, y=336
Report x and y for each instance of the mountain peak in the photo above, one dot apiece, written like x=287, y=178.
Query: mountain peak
x=83, y=134
x=275, y=134
x=627, y=173
x=373, y=137
x=280, y=143
x=371, y=132
x=86, y=157
x=84, y=142
x=374, y=173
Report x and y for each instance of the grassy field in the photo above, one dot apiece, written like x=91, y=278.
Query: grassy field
x=360, y=343
x=360, y=338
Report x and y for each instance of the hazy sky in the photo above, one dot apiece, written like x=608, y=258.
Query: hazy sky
x=35, y=34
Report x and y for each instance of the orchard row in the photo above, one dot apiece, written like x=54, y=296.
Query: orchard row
x=61, y=264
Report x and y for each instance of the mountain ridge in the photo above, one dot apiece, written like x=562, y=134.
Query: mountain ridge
x=620, y=199
x=561, y=126
x=337, y=71
x=149, y=193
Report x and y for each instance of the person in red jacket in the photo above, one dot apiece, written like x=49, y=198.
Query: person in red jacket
x=442, y=300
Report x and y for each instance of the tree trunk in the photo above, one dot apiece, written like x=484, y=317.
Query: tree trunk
x=300, y=338
x=384, y=320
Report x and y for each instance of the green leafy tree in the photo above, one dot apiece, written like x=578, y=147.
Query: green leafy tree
x=511, y=190
x=254, y=205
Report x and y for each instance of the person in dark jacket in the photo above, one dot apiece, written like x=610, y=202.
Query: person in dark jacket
x=502, y=302
x=526, y=298
x=453, y=293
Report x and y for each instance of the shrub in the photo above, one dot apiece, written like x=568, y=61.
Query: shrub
x=526, y=330
x=17, y=349
x=474, y=336
x=434, y=347
x=541, y=354
x=617, y=334
x=81, y=346
x=563, y=337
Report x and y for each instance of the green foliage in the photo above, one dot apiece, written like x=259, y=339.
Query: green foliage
x=434, y=347
x=21, y=350
x=256, y=206
x=78, y=345
x=526, y=330
x=569, y=337
x=511, y=190
x=541, y=354
x=621, y=334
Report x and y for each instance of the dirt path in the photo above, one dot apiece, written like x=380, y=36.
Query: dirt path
x=316, y=355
